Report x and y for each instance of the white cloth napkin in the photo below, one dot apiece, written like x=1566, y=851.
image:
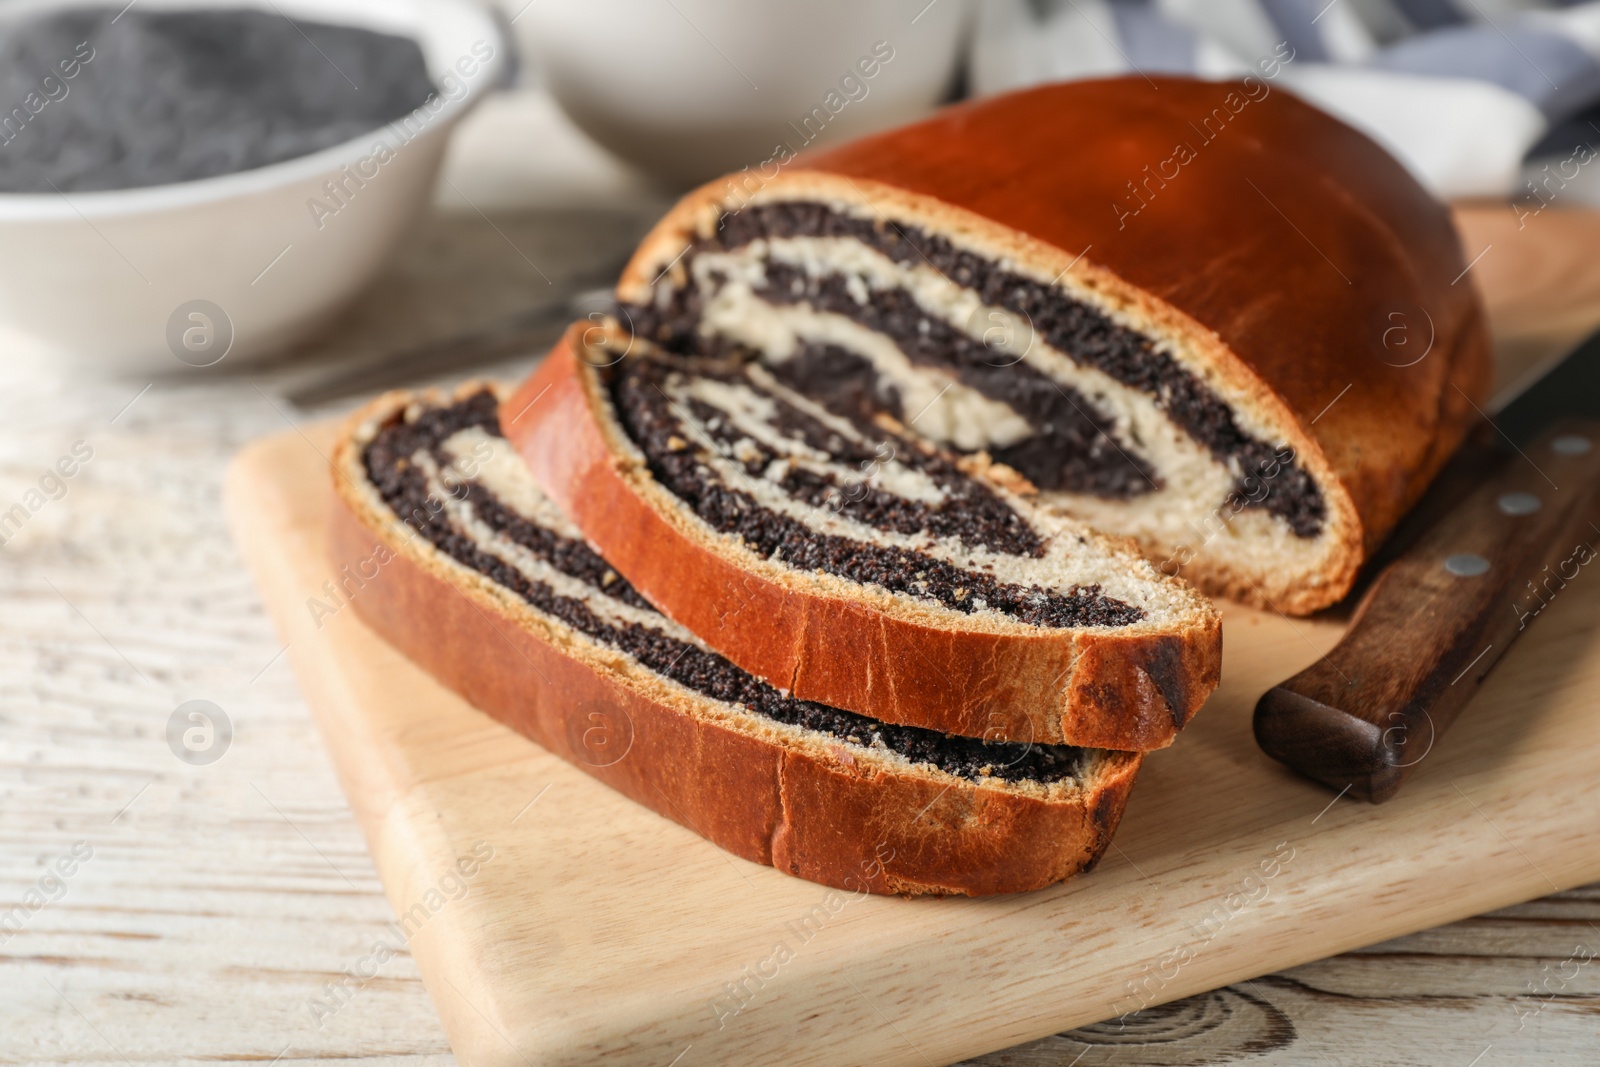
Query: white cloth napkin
x=1462, y=91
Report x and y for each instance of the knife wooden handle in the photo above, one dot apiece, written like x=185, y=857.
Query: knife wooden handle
x=1437, y=619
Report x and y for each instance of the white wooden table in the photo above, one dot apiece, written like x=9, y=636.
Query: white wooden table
x=219, y=899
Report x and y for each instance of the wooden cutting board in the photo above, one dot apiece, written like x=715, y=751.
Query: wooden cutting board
x=587, y=928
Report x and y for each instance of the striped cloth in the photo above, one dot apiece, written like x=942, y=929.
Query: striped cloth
x=1465, y=92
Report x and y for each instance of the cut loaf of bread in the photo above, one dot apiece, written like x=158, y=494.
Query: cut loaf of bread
x=1204, y=315
x=849, y=562
x=472, y=572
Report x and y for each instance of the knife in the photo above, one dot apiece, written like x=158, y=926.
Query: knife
x=1506, y=528
x=528, y=331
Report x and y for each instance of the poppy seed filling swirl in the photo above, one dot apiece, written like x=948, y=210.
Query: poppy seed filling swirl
x=797, y=485
x=417, y=474
x=1068, y=444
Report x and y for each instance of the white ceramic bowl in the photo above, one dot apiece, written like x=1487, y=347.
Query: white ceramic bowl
x=145, y=281
x=695, y=88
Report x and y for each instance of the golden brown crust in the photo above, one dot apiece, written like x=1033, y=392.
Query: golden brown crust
x=1076, y=687
x=855, y=825
x=1303, y=268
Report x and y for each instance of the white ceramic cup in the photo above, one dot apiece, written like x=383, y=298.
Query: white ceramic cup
x=689, y=89
x=152, y=280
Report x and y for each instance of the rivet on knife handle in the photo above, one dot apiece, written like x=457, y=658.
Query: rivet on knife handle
x=1438, y=618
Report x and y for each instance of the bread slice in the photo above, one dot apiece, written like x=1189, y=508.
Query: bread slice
x=1203, y=315
x=473, y=573
x=852, y=564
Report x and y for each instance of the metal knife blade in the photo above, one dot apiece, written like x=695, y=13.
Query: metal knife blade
x=1568, y=386
x=1571, y=387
